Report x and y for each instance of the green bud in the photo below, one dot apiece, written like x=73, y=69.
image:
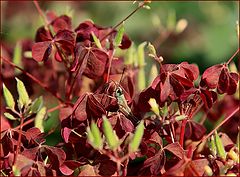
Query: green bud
x=96, y=40
x=212, y=146
x=220, y=148
x=110, y=135
x=96, y=136
x=119, y=36
x=22, y=92
x=154, y=106
x=137, y=138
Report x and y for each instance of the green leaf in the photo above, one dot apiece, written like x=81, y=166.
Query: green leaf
x=96, y=40
x=96, y=136
x=37, y=104
x=17, y=56
x=220, y=148
x=40, y=118
x=110, y=135
x=119, y=36
x=137, y=138
x=22, y=92
x=9, y=116
x=8, y=98
x=154, y=106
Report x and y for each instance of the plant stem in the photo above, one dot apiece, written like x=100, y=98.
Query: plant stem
x=110, y=64
x=117, y=25
x=182, y=133
x=19, y=139
x=233, y=56
x=34, y=79
x=217, y=127
x=40, y=12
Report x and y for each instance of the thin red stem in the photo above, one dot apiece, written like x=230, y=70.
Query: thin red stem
x=34, y=79
x=217, y=127
x=40, y=12
x=117, y=25
x=182, y=133
x=19, y=139
x=233, y=56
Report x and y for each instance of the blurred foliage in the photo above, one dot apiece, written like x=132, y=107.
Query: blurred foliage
x=209, y=38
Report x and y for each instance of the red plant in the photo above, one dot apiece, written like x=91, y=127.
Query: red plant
x=114, y=128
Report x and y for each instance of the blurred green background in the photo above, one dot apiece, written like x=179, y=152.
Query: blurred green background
x=209, y=38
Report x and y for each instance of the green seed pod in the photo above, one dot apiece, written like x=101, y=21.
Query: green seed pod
x=110, y=135
x=119, y=36
x=97, y=41
x=208, y=171
x=96, y=136
x=212, y=146
x=220, y=148
x=137, y=137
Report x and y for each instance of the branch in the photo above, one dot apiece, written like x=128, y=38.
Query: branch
x=34, y=79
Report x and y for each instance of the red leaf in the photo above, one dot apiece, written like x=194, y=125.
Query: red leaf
x=96, y=63
x=211, y=75
x=196, y=167
x=155, y=163
x=41, y=50
x=61, y=23
x=223, y=81
x=126, y=42
x=56, y=156
x=80, y=108
x=65, y=170
x=42, y=35
x=176, y=149
x=233, y=81
x=165, y=89
x=126, y=124
x=94, y=108
x=66, y=133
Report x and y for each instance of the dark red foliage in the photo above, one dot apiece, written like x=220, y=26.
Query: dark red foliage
x=85, y=79
x=218, y=76
x=174, y=79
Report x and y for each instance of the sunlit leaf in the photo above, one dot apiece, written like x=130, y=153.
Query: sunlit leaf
x=37, y=104
x=40, y=118
x=9, y=116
